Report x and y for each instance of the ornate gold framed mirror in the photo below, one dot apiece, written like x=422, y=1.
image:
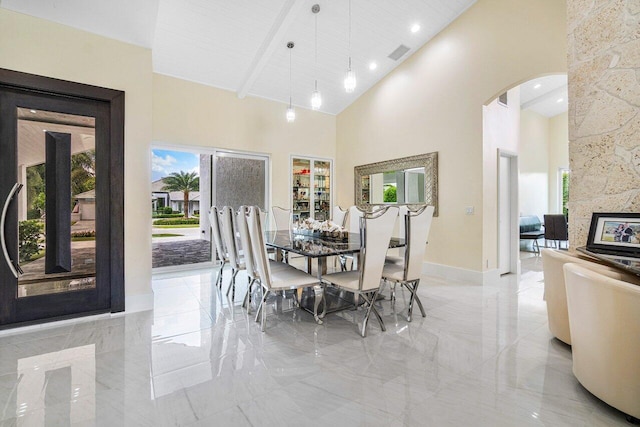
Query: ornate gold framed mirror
x=406, y=181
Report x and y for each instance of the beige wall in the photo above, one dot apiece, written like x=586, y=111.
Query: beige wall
x=186, y=113
x=558, y=156
x=533, y=159
x=604, y=110
x=434, y=101
x=500, y=130
x=544, y=148
x=161, y=109
x=41, y=47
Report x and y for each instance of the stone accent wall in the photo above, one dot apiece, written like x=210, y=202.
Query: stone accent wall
x=604, y=110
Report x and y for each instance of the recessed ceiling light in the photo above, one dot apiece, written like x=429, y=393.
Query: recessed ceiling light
x=560, y=100
x=33, y=111
x=415, y=28
x=538, y=86
x=373, y=66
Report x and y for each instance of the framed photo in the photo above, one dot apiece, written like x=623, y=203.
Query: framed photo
x=615, y=233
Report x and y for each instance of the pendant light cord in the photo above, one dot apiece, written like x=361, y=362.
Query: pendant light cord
x=290, y=78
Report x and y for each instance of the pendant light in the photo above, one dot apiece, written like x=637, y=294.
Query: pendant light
x=316, y=97
x=291, y=113
x=350, y=78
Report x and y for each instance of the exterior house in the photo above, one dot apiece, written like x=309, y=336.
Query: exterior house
x=161, y=198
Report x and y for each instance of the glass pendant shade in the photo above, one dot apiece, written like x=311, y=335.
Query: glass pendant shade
x=350, y=81
x=316, y=100
x=291, y=114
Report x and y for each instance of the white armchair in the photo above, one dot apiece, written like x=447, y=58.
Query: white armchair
x=604, y=317
x=555, y=293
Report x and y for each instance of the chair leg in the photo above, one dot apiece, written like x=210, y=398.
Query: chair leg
x=265, y=292
x=246, y=302
x=232, y=285
x=371, y=308
x=413, y=288
x=264, y=312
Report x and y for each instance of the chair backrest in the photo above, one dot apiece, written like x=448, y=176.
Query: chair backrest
x=417, y=225
x=555, y=291
x=355, y=213
x=555, y=227
x=259, y=250
x=281, y=217
x=214, y=220
x=245, y=240
x=229, y=233
x=375, y=232
x=340, y=215
x=604, y=315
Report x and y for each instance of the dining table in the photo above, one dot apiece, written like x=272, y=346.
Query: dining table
x=315, y=246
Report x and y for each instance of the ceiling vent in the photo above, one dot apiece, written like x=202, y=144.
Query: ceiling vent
x=397, y=54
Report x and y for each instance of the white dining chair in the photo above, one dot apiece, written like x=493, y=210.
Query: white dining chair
x=353, y=221
x=375, y=233
x=340, y=216
x=399, y=258
x=216, y=232
x=416, y=233
x=272, y=281
x=229, y=229
x=247, y=250
x=283, y=220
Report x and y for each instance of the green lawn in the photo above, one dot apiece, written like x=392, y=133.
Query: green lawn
x=82, y=239
x=177, y=226
x=166, y=235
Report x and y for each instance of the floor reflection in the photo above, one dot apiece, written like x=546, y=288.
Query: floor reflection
x=482, y=356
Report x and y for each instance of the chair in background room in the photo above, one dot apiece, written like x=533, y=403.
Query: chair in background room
x=283, y=279
x=221, y=253
x=604, y=315
x=375, y=234
x=416, y=232
x=555, y=293
x=556, y=229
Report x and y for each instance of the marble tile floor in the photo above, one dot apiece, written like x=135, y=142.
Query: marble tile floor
x=483, y=356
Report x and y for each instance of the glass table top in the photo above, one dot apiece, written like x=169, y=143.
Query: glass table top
x=312, y=246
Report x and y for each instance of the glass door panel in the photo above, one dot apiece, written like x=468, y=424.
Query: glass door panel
x=301, y=189
x=57, y=205
x=180, y=190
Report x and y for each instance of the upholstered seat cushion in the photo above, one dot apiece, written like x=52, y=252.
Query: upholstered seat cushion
x=290, y=278
x=394, y=260
x=393, y=272
x=344, y=279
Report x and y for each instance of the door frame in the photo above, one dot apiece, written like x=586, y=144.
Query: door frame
x=35, y=85
x=514, y=240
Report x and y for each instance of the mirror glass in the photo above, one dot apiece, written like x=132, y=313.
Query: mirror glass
x=405, y=181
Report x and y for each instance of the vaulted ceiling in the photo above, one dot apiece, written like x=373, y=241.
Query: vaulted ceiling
x=240, y=45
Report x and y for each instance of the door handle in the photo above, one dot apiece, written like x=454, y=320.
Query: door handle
x=15, y=269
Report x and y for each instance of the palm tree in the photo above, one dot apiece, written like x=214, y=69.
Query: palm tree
x=185, y=182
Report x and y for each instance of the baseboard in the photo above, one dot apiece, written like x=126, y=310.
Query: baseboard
x=460, y=274
x=141, y=302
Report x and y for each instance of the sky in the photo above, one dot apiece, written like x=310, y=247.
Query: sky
x=164, y=162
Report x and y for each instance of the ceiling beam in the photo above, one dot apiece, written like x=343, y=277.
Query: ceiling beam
x=271, y=42
x=545, y=97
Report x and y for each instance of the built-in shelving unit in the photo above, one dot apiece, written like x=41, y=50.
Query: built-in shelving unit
x=311, y=188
